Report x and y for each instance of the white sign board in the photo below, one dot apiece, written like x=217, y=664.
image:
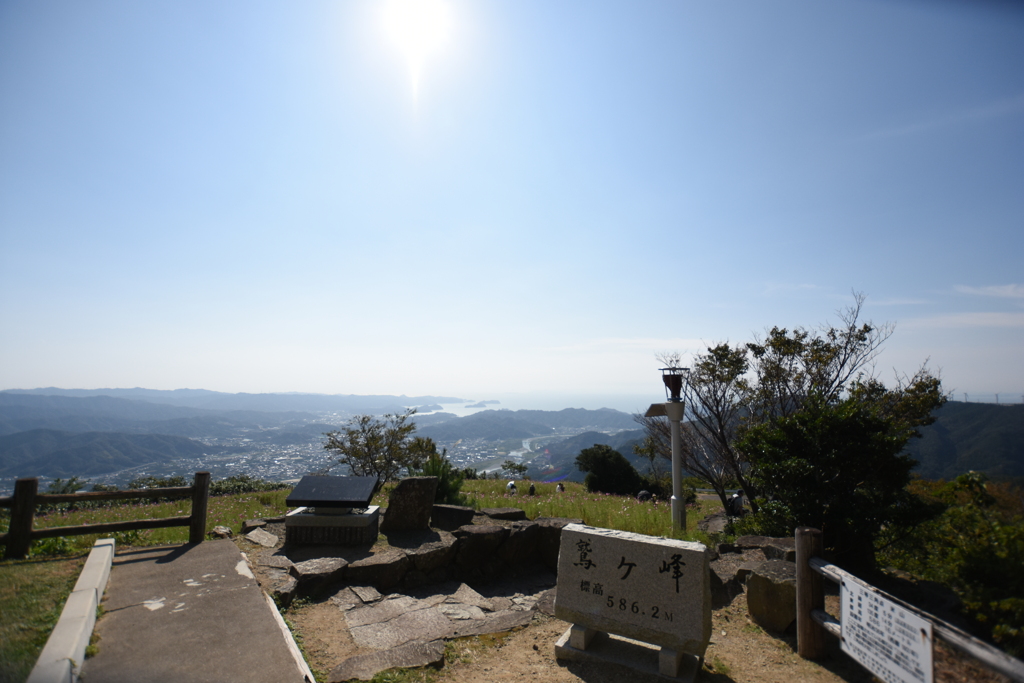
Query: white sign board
x=890, y=641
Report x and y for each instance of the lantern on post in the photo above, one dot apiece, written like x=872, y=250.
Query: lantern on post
x=674, y=408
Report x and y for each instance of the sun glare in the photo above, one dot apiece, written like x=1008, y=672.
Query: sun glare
x=418, y=28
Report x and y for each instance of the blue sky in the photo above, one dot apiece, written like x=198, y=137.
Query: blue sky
x=253, y=196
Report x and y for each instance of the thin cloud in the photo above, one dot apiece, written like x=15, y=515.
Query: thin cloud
x=1002, y=291
x=966, y=321
x=993, y=110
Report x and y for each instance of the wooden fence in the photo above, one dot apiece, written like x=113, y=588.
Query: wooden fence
x=812, y=622
x=26, y=497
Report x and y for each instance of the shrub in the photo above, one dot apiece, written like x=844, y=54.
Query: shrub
x=449, y=479
x=976, y=547
x=608, y=471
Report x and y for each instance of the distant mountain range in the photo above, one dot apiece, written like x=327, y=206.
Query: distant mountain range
x=53, y=453
x=271, y=403
x=499, y=425
x=972, y=436
x=73, y=432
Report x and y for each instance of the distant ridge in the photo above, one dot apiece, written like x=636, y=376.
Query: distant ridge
x=984, y=437
x=282, y=402
x=52, y=453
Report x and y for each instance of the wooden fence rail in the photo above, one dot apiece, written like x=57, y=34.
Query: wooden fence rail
x=26, y=497
x=812, y=621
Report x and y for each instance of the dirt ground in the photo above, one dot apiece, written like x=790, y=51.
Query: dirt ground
x=740, y=652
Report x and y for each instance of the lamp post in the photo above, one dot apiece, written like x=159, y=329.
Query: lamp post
x=673, y=409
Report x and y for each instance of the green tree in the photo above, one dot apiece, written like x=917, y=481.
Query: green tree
x=378, y=447
x=449, y=479
x=65, y=486
x=837, y=464
x=513, y=469
x=607, y=470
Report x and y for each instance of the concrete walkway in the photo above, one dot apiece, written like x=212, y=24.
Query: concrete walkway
x=190, y=613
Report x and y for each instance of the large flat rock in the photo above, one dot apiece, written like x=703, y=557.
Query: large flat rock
x=421, y=625
x=365, y=667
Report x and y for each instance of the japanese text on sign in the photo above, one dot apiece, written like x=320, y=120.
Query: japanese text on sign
x=890, y=641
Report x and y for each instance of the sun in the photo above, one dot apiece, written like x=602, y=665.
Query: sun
x=418, y=28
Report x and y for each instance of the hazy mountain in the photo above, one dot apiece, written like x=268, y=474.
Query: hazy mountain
x=274, y=403
x=489, y=425
x=22, y=412
x=51, y=453
x=985, y=437
x=498, y=425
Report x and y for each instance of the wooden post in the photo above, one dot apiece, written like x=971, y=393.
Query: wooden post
x=810, y=595
x=23, y=510
x=200, y=495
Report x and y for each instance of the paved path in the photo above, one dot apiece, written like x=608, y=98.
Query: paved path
x=189, y=613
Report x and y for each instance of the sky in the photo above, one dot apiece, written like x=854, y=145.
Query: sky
x=467, y=198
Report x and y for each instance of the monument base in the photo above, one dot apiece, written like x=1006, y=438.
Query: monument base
x=631, y=654
x=306, y=528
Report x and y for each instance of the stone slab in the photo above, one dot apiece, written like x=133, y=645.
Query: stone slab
x=365, y=667
x=424, y=624
x=627, y=653
x=331, y=491
x=261, y=537
x=497, y=622
x=654, y=590
x=278, y=561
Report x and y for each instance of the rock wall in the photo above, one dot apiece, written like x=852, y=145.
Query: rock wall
x=486, y=546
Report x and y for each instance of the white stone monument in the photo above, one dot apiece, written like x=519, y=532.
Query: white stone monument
x=640, y=601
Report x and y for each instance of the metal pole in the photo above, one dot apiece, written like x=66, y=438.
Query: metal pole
x=674, y=411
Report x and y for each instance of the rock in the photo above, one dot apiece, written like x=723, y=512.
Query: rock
x=781, y=549
x=283, y=590
x=451, y=517
x=521, y=544
x=492, y=623
x=365, y=667
x=367, y=594
x=263, y=538
x=478, y=545
x=220, y=532
x=383, y=570
x=550, y=538
x=430, y=556
x=546, y=602
x=467, y=596
x=723, y=588
x=319, y=570
x=508, y=514
x=750, y=542
x=251, y=524
x=771, y=595
x=714, y=523
x=410, y=505
x=278, y=561
x=407, y=626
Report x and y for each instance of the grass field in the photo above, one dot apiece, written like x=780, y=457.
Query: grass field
x=32, y=595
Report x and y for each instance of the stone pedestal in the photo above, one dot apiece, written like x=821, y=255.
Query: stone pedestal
x=304, y=527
